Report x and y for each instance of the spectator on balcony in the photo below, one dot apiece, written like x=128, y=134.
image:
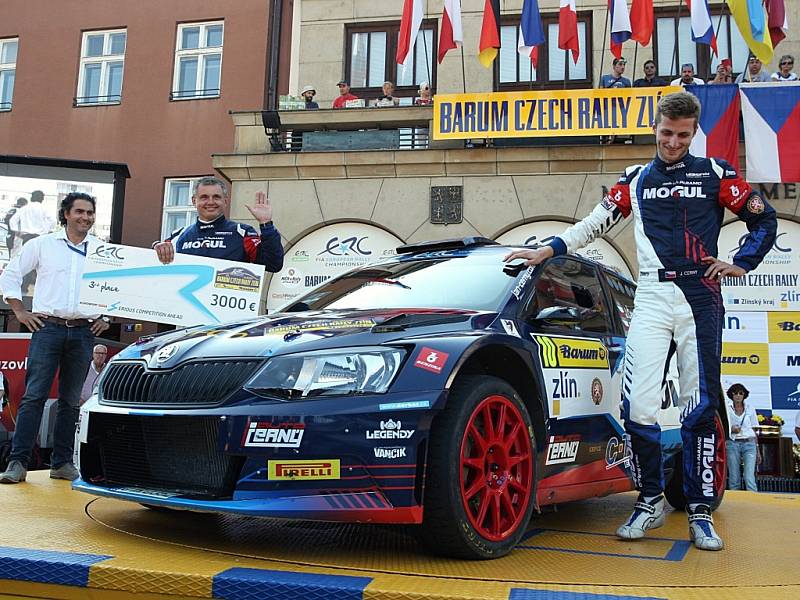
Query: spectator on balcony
x=344, y=95
x=687, y=76
x=308, y=94
x=784, y=72
x=649, y=79
x=425, y=96
x=724, y=72
x=615, y=78
x=753, y=72
x=388, y=98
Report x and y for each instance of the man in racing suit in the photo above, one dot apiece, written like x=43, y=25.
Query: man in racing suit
x=678, y=202
x=214, y=236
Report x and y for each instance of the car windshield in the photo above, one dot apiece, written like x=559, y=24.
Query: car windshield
x=462, y=280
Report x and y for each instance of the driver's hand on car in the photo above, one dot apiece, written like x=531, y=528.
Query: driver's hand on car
x=531, y=257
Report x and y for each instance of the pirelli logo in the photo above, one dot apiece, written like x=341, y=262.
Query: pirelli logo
x=566, y=352
x=302, y=470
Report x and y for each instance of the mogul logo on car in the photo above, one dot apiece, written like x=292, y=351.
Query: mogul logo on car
x=390, y=430
x=431, y=360
x=562, y=449
x=391, y=453
x=273, y=435
x=569, y=352
x=302, y=470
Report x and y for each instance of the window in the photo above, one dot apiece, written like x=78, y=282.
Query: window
x=373, y=51
x=514, y=71
x=8, y=71
x=198, y=61
x=178, y=208
x=102, y=64
x=566, y=282
x=670, y=56
x=622, y=294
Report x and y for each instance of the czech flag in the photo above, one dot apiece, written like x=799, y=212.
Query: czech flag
x=772, y=131
x=409, y=28
x=620, y=25
x=751, y=20
x=718, y=130
x=531, y=32
x=702, y=27
x=452, y=33
x=490, y=33
x=642, y=21
x=568, y=28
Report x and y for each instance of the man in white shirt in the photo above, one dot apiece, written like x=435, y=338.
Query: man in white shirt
x=31, y=221
x=99, y=354
x=687, y=77
x=62, y=338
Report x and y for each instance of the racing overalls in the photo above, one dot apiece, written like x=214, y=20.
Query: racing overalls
x=229, y=240
x=678, y=211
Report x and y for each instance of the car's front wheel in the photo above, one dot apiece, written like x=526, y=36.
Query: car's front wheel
x=480, y=480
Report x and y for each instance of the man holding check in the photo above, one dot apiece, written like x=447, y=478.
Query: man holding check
x=214, y=236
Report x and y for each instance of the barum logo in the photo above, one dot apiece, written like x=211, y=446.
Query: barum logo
x=707, y=456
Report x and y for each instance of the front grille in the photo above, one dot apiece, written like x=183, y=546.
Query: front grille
x=199, y=383
x=173, y=453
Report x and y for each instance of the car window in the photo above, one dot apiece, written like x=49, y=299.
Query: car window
x=622, y=294
x=571, y=283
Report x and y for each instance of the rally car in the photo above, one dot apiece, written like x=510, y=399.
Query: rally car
x=439, y=387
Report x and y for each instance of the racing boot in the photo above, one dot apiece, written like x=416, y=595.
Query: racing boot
x=646, y=515
x=701, y=528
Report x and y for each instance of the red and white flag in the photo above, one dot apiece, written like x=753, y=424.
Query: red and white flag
x=409, y=27
x=452, y=34
x=776, y=20
x=568, y=28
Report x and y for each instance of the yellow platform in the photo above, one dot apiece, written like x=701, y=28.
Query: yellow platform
x=56, y=543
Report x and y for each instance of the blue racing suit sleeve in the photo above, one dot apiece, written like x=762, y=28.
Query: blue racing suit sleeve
x=270, y=250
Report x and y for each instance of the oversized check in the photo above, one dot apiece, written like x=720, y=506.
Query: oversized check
x=123, y=281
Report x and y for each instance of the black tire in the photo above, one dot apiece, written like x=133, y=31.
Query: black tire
x=464, y=479
x=673, y=490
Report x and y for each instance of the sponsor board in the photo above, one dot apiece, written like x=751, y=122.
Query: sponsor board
x=392, y=453
x=303, y=470
x=745, y=359
x=562, y=449
x=260, y=434
x=784, y=327
x=785, y=392
x=784, y=359
x=747, y=327
x=571, y=352
x=760, y=396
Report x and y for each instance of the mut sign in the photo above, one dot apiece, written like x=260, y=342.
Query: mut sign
x=679, y=191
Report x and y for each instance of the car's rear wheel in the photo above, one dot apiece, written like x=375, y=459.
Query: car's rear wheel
x=673, y=490
x=480, y=480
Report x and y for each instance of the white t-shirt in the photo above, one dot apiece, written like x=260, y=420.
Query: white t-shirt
x=745, y=421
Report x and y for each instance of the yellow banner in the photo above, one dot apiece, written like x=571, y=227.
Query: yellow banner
x=745, y=359
x=567, y=352
x=784, y=327
x=628, y=111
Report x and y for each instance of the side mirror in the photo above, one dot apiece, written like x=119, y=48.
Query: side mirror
x=564, y=315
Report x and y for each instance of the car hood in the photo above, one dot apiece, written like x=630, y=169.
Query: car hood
x=286, y=333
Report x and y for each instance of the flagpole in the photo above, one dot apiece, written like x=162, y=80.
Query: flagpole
x=675, y=45
x=603, y=53
x=635, y=55
x=425, y=45
x=463, y=69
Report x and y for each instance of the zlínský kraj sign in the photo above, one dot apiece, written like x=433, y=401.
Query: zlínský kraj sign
x=628, y=111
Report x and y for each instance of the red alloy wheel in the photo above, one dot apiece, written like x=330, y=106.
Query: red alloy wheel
x=496, y=477
x=721, y=463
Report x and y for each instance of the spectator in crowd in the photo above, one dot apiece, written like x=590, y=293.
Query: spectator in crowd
x=742, y=447
x=615, y=78
x=388, y=97
x=649, y=79
x=63, y=335
x=784, y=72
x=308, y=94
x=7, y=220
x=753, y=72
x=724, y=72
x=31, y=220
x=687, y=76
x=344, y=95
x=214, y=236
x=99, y=355
x=425, y=96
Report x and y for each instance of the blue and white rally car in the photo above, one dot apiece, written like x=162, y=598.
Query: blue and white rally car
x=438, y=387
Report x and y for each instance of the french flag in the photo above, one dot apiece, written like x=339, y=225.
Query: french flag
x=410, y=23
x=531, y=32
x=620, y=25
x=772, y=131
x=702, y=27
x=718, y=130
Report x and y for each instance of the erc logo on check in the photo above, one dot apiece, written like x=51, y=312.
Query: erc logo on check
x=302, y=470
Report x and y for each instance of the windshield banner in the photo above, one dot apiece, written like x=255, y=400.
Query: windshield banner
x=617, y=111
x=123, y=281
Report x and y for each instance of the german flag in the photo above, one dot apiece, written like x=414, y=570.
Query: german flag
x=490, y=33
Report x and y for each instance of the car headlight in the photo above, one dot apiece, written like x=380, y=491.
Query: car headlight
x=340, y=372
